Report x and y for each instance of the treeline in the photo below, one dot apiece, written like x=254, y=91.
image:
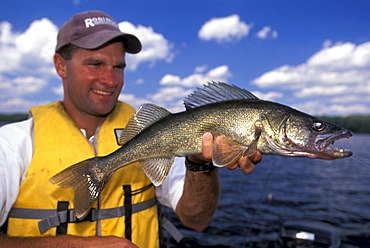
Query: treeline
x=355, y=123
x=8, y=118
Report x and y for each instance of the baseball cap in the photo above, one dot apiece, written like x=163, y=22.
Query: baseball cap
x=92, y=29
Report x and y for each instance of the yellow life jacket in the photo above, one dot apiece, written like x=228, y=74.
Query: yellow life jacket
x=59, y=143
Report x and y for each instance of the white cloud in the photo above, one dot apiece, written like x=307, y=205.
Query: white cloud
x=339, y=64
x=6, y=35
x=29, y=52
x=18, y=105
x=168, y=94
x=305, y=75
x=320, y=108
x=139, y=81
x=38, y=39
x=170, y=79
x=170, y=97
x=220, y=73
x=353, y=98
x=342, y=56
x=322, y=91
x=267, y=32
x=58, y=90
x=155, y=46
x=337, y=76
x=133, y=100
x=226, y=29
x=20, y=86
x=200, y=69
x=26, y=64
x=269, y=96
x=174, y=89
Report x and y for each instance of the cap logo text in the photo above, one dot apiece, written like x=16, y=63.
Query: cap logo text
x=92, y=22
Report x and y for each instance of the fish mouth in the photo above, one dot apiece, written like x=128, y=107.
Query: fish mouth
x=329, y=151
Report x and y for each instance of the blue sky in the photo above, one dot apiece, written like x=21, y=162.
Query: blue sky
x=311, y=55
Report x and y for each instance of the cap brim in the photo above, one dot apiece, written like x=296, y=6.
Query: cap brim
x=92, y=41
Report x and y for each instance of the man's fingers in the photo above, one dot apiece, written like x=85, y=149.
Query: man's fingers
x=207, y=145
x=246, y=164
x=232, y=166
x=256, y=157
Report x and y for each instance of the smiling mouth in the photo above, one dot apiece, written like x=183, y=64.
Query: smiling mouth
x=103, y=92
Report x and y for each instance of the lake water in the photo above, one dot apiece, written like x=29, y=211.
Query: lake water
x=253, y=208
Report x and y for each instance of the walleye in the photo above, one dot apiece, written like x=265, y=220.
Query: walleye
x=239, y=121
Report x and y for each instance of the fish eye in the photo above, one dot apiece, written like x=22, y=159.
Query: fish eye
x=318, y=126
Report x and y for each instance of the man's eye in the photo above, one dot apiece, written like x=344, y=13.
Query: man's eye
x=119, y=67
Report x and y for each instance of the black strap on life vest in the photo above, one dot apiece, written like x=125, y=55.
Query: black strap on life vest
x=62, y=228
x=127, y=203
x=4, y=228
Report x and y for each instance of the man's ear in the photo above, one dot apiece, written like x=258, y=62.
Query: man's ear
x=60, y=65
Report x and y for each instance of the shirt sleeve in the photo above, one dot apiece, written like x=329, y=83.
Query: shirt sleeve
x=15, y=156
x=170, y=191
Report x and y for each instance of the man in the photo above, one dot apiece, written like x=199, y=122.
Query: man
x=90, y=59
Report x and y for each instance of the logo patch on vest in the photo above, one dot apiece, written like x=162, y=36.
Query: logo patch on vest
x=118, y=132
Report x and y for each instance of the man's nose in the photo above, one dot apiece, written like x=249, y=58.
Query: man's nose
x=108, y=77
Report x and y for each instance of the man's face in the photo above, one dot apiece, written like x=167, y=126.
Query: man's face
x=94, y=79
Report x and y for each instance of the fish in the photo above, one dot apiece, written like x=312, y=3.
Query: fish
x=240, y=124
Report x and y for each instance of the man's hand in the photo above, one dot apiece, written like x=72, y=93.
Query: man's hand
x=246, y=164
x=66, y=241
x=202, y=190
x=108, y=241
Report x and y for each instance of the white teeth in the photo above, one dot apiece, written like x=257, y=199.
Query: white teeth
x=102, y=92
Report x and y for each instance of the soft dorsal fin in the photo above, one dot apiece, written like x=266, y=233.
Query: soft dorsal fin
x=146, y=115
x=216, y=92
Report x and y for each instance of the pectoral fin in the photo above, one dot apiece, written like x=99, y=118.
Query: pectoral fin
x=157, y=169
x=226, y=151
x=253, y=146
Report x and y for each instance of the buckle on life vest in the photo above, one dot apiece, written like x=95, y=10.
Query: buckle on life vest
x=91, y=216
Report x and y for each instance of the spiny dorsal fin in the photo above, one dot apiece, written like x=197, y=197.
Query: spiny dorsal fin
x=216, y=92
x=146, y=115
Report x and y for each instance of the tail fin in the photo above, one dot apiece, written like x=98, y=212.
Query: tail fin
x=87, y=180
